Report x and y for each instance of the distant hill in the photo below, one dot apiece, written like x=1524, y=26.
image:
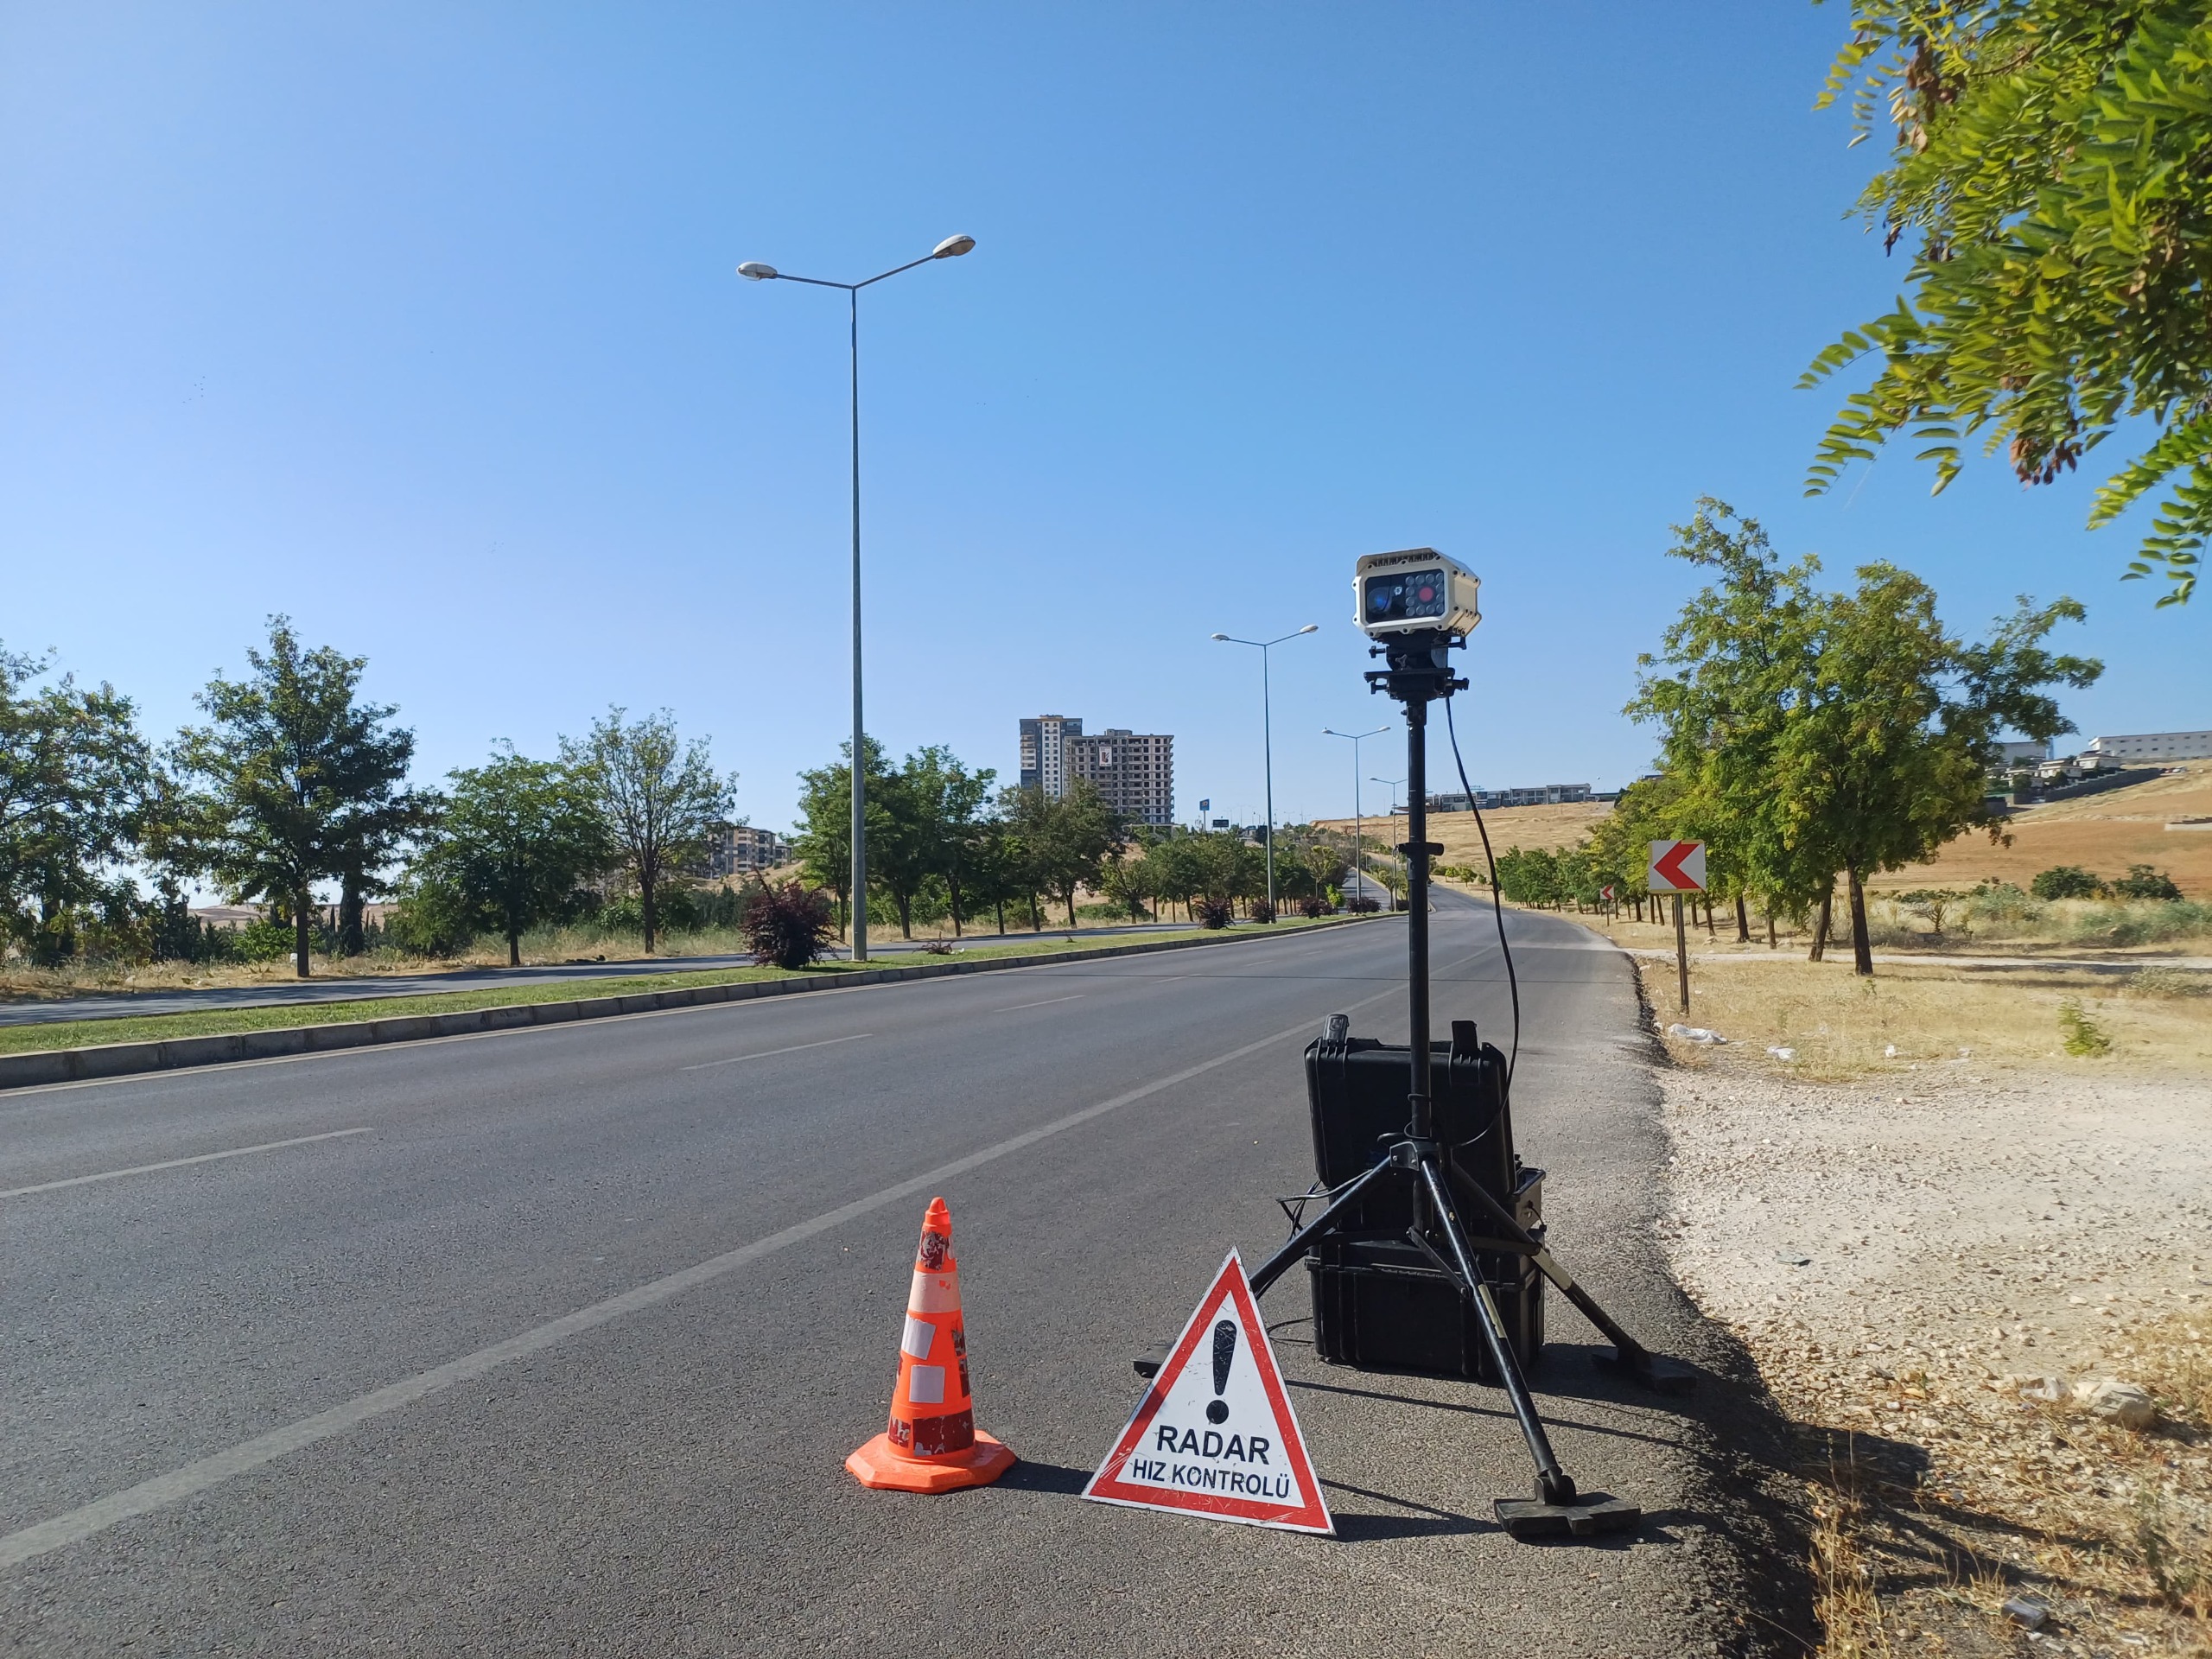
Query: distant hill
x=2103, y=834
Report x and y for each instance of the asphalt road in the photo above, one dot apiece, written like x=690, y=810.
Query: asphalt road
x=557, y=1341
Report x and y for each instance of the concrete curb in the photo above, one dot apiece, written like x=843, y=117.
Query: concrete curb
x=123, y=1059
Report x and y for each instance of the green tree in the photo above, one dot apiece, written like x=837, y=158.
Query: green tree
x=1079, y=830
x=282, y=776
x=2047, y=173
x=824, y=841
x=514, y=842
x=1743, y=656
x=1888, y=760
x=77, y=784
x=1126, y=878
x=1806, y=736
x=930, y=807
x=660, y=799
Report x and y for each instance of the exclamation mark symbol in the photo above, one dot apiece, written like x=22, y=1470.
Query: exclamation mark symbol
x=1224, y=1351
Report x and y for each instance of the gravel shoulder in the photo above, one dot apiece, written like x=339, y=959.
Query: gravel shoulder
x=1899, y=1255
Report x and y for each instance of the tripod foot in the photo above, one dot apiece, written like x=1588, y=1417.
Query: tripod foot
x=1149, y=1362
x=1653, y=1371
x=1531, y=1518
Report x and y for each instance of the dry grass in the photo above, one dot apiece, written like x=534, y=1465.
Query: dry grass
x=1553, y=827
x=2103, y=834
x=2109, y=1528
x=1840, y=1025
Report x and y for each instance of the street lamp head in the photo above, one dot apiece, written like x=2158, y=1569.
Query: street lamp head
x=1311, y=627
x=1221, y=636
x=952, y=248
x=754, y=271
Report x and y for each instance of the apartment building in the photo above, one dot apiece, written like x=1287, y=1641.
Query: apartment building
x=1044, y=752
x=1134, y=771
x=739, y=849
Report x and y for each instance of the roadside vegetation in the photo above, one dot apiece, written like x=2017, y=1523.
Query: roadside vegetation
x=294, y=787
x=134, y=1028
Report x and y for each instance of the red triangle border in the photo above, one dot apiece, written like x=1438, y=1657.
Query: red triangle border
x=1107, y=1486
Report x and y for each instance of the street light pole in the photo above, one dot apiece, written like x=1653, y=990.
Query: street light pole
x=952, y=248
x=1396, y=784
x=1358, y=865
x=1267, y=739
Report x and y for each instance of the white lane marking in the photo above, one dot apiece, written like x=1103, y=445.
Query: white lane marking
x=179, y=1163
x=768, y=1054
x=197, y=1477
x=1046, y=1003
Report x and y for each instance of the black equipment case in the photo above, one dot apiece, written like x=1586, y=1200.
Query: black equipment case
x=1379, y=1302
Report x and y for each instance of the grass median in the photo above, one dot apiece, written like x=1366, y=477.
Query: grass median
x=155, y=1027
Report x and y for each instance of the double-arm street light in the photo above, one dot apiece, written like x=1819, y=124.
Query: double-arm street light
x=1358, y=867
x=1267, y=739
x=952, y=248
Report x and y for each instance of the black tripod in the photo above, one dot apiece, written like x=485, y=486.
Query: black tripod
x=1420, y=672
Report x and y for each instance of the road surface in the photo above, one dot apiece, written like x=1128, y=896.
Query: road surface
x=555, y=1341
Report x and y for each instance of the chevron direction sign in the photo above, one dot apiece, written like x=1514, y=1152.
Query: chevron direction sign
x=1677, y=866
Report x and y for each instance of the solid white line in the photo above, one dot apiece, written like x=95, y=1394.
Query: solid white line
x=1046, y=1003
x=179, y=1163
x=195, y=1477
x=766, y=1053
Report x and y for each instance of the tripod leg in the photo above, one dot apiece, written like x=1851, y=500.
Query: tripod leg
x=1632, y=1355
x=1554, y=1484
x=1278, y=1264
x=1148, y=1363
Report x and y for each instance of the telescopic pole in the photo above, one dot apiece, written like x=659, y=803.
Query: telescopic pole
x=1421, y=1124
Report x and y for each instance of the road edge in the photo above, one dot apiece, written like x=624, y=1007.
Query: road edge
x=102, y=1060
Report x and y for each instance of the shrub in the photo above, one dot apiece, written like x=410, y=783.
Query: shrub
x=2169, y=981
x=1313, y=907
x=2084, y=1040
x=789, y=925
x=2141, y=881
x=1213, y=912
x=2001, y=901
x=1360, y=904
x=2066, y=881
x=1261, y=911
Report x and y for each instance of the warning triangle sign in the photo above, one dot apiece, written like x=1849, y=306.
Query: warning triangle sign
x=1214, y=1435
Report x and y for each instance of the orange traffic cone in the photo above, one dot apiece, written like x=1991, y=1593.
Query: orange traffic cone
x=932, y=1445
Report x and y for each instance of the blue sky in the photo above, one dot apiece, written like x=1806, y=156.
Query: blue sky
x=420, y=323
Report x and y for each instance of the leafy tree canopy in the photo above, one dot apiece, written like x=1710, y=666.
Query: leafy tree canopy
x=2051, y=172
x=515, y=839
x=291, y=774
x=77, y=783
x=660, y=799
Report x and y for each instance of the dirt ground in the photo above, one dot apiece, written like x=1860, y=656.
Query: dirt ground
x=1532, y=827
x=1899, y=1254
x=2103, y=834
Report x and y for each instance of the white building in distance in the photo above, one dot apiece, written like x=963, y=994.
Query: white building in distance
x=2149, y=748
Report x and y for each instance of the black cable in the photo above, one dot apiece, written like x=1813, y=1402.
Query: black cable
x=1496, y=903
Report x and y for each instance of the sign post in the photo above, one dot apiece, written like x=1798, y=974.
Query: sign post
x=1678, y=867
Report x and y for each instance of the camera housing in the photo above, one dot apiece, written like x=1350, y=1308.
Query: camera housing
x=1416, y=590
